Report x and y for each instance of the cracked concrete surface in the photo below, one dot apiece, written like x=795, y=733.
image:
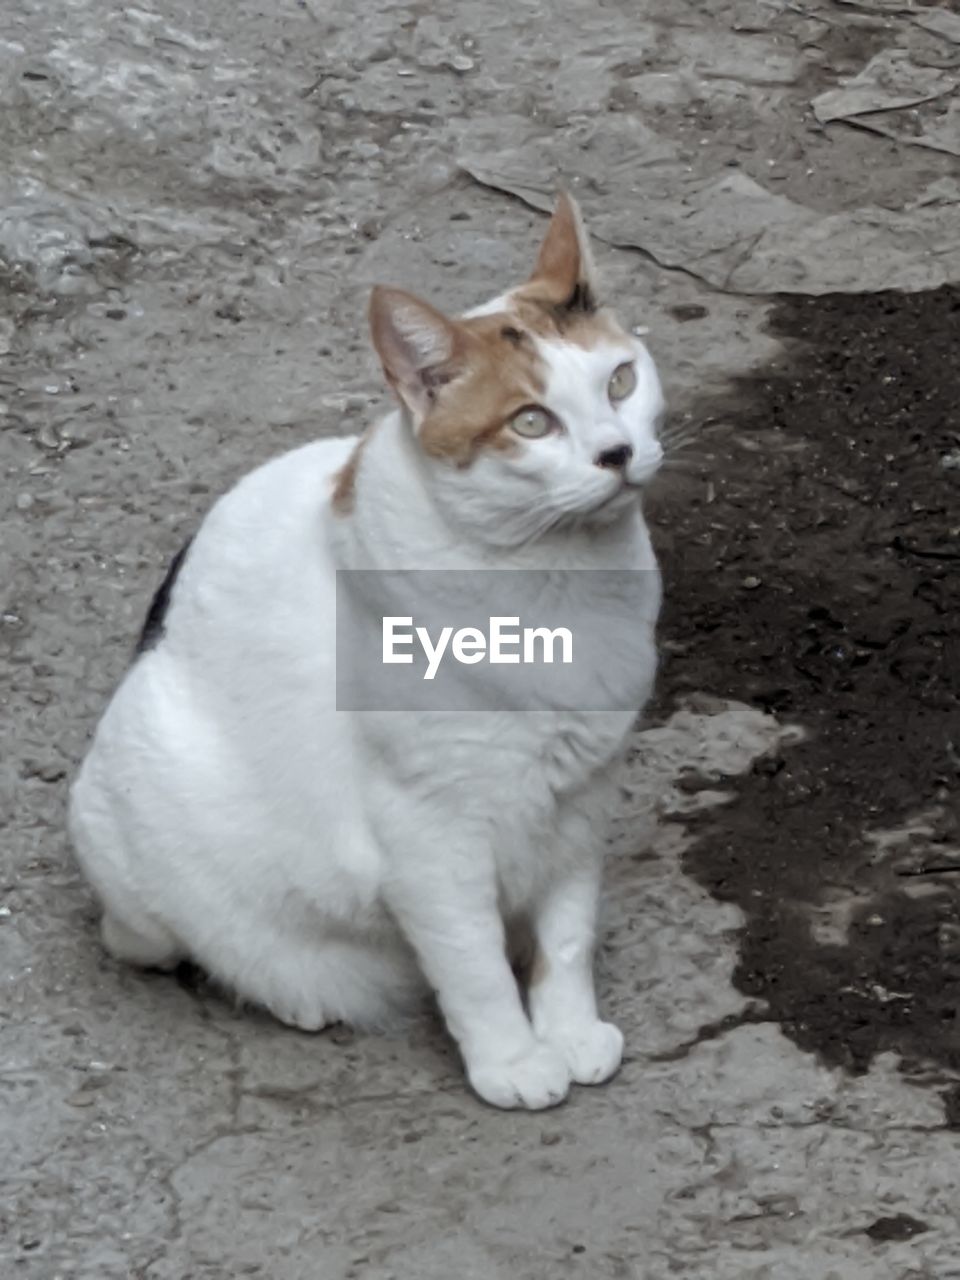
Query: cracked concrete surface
x=194, y=201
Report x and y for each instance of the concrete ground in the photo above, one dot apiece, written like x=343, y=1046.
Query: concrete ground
x=193, y=202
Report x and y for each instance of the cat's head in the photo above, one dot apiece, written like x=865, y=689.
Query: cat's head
x=532, y=411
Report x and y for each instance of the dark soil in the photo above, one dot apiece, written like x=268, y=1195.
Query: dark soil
x=822, y=582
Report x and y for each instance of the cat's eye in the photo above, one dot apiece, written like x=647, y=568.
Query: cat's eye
x=623, y=382
x=532, y=422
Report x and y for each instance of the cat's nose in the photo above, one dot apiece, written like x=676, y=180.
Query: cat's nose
x=614, y=459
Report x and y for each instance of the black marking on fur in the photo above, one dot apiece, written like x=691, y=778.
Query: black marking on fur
x=582, y=299
x=152, y=632
x=511, y=334
x=581, y=302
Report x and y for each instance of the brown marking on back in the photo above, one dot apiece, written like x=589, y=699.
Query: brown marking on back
x=345, y=480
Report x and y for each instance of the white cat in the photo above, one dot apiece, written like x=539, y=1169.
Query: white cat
x=334, y=864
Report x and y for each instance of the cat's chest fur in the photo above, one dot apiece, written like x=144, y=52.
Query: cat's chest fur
x=515, y=784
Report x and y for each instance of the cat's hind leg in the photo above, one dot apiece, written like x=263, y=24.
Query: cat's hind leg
x=312, y=983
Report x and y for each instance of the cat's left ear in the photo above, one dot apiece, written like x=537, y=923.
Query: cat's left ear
x=565, y=275
x=419, y=347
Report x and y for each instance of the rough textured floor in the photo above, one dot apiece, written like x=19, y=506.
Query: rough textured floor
x=194, y=200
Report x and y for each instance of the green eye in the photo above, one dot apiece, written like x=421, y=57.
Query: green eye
x=623, y=382
x=532, y=422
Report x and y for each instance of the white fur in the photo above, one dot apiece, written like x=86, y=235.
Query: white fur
x=335, y=865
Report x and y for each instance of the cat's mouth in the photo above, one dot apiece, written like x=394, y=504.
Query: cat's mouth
x=626, y=492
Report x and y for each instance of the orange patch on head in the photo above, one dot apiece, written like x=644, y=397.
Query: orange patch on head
x=499, y=372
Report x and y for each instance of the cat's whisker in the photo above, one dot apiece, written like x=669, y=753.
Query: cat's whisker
x=674, y=433
x=690, y=464
x=533, y=523
x=674, y=446
x=670, y=439
x=679, y=446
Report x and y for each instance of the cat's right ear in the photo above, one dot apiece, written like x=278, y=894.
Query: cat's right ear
x=419, y=348
x=565, y=275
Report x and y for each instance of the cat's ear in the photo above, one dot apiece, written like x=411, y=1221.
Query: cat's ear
x=565, y=275
x=419, y=348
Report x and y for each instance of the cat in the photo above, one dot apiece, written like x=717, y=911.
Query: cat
x=336, y=865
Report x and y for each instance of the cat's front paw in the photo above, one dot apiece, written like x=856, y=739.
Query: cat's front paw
x=592, y=1052
x=536, y=1079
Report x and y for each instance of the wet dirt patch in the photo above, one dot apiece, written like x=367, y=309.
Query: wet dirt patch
x=813, y=569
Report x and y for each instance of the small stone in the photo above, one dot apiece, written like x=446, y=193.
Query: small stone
x=24, y=501
x=751, y=583
x=49, y=438
x=460, y=62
